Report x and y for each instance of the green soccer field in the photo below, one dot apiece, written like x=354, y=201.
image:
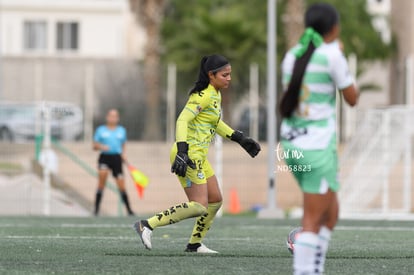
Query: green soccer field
x=246, y=245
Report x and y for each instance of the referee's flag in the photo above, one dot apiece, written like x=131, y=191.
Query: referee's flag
x=140, y=180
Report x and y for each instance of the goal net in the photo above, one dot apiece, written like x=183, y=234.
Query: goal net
x=376, y=164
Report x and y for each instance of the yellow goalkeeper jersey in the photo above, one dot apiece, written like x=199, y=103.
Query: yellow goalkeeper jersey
x=200, y=120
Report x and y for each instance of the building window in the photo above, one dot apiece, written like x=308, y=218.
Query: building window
x=67, y=37
x=35, y=35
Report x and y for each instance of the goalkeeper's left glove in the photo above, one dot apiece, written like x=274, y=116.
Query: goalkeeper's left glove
x=248, y=144
x=182, y=160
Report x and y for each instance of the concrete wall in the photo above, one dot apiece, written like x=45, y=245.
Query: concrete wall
x=247, y=176
x=402, y=23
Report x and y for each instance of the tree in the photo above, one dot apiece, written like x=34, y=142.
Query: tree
x=357, y=32
x=292, y=19
x=185, y=30
x=359, y=36
x=150, y=13
x=232, y=28
x=237, y=29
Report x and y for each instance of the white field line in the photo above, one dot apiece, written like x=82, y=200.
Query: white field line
x=105, y=225
x=165, y=236
x=59, y=237
x=66, y=225
x=374, y=228
x=247, y=227
x=253, y=227
x=107, y=238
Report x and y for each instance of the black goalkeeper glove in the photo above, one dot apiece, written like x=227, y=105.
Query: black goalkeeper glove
x=248, y=144
x=182, y=160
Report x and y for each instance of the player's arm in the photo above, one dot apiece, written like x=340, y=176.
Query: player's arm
x=181, y=126
x=193, y=107
x=350, y=95
x=224, y=130
x=123, y=154
x=124, y=140
x=195, y=104
x=97, y=145
x=344, y=80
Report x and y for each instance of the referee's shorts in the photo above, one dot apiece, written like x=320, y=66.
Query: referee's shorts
x=112, y=162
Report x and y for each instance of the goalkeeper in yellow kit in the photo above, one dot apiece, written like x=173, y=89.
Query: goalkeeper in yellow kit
x=196, y=126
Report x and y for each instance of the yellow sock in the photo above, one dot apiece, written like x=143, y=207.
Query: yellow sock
x=177, y=213
x=203, y=223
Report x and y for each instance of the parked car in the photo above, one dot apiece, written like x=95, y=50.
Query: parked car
x=21, y=121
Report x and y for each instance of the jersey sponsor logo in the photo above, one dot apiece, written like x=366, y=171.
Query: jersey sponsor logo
x=194, y=102
x=198, y=108
x=294, y=133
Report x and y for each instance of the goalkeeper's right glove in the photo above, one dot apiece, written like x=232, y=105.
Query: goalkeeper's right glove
x=248, y=144
x=182, y=160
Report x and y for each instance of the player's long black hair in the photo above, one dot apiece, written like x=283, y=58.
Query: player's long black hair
x=210, y=63
x=322, y=18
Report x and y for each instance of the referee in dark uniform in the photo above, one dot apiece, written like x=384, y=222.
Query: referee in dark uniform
x=110, y=140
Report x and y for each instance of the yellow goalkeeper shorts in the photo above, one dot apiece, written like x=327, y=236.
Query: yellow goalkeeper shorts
x=194, y=176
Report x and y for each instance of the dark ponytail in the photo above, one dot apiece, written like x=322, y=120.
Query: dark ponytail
x=290, y=98
x=203, y=80
x=319, y=20
x=210, y=63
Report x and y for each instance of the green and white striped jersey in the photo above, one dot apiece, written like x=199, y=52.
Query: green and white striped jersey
x=312, y=126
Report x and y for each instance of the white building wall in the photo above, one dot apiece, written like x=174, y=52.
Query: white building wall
x=379, y=7
x=380, y=10
x=106, y=27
